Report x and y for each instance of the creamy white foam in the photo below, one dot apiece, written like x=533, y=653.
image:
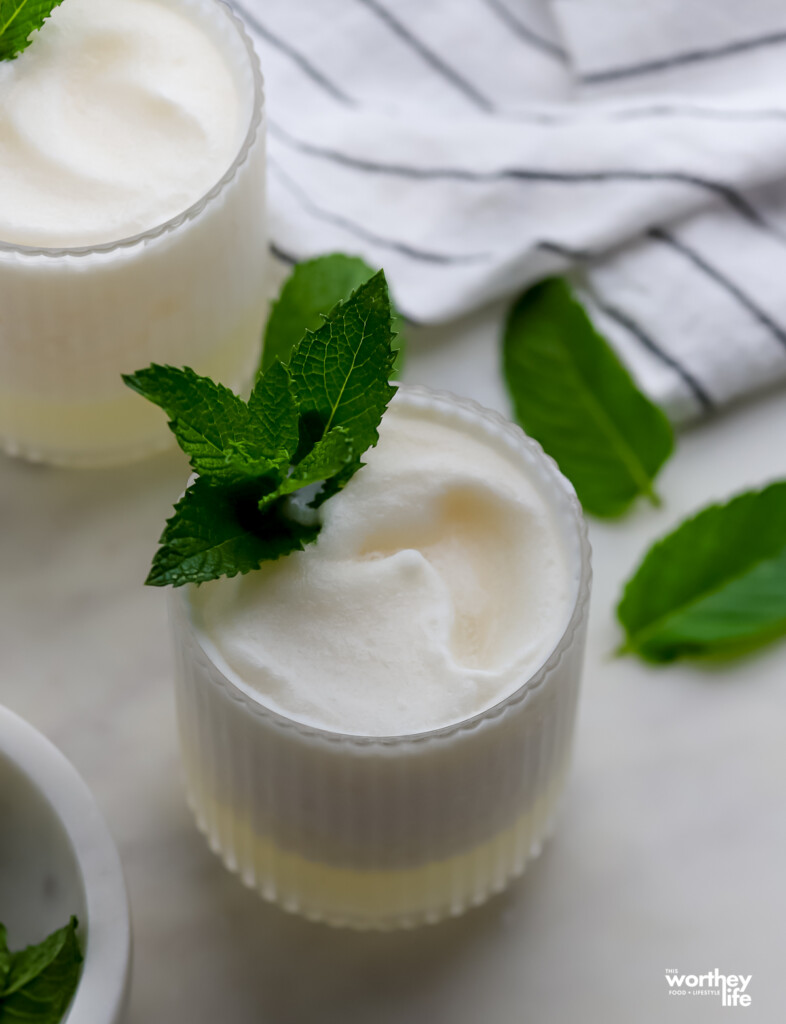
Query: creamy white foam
x=119, y=116
x=440, y=582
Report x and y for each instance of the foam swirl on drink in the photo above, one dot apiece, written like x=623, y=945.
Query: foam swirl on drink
x=440, y=582
x=119, y=116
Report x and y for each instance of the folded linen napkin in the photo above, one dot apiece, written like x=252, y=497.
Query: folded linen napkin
x=474, y=146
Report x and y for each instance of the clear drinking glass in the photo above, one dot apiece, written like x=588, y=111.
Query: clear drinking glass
x=190, y=292
x=395, y=831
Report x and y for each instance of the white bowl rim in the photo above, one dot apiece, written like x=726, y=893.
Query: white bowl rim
x=103, y=986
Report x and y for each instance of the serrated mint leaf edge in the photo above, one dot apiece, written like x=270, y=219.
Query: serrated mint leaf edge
x=272, y=347
x=636, y=641
x=182, y=393
x=640, y=479
x=175, y=563
x=14, y=39
x=329, y=456
x=306, y=392
x=275, y=384
x=40, y=955
x=171, y=563
x=666, y=642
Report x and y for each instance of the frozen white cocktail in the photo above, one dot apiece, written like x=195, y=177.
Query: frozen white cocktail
x=132, y=219
x=380, y=629
x=376, y=730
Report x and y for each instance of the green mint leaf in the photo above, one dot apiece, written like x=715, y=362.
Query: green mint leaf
x=205, y=417
x=573, y=395
x=273, y=410
x=337, y=483
x=212, y=425
x=330, y=456
x=220, y=531
x=309, y=294
x=305, y=423
x=28, y=964
x=18, y=20
x=5, y=959
x=244, y=462
x=715, y=586
x=341, y=372
x=42, y=980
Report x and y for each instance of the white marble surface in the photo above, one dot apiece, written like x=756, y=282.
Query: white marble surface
x=672, y=843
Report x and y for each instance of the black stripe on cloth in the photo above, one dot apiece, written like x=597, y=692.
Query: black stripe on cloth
x=282, y=254
x=585, y=256
x=702, y=113
x=656, y=111
x=653, y=112
x=724, y=282
x=680, y=59
x=537, y=117
x=759, y=221
x=567, y=252
x=360, y=231
x=287, y=257
x=525, y=32
x=434, y=61
x=294, y=55
x=723, y=191
x=647, y=342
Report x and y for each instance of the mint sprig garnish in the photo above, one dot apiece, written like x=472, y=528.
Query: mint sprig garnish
x=218, y=529
x=38, y=983
x=306, y=423
x=308, y=294
x=214, y=427
x=18, y=20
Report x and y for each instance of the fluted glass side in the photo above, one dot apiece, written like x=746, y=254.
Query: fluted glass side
x=187, y=292
x=382, y=832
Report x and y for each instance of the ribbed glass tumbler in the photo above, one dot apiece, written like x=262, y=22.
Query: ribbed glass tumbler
x=384, y=832
x=191, y=291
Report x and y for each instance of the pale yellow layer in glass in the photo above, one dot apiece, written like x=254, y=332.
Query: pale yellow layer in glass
x=385, y=898
x=91, y=432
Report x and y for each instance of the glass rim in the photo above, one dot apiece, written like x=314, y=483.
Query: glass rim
x=239, y=691
x=195, y=209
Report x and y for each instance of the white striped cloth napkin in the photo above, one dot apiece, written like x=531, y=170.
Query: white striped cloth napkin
x=474, y=146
